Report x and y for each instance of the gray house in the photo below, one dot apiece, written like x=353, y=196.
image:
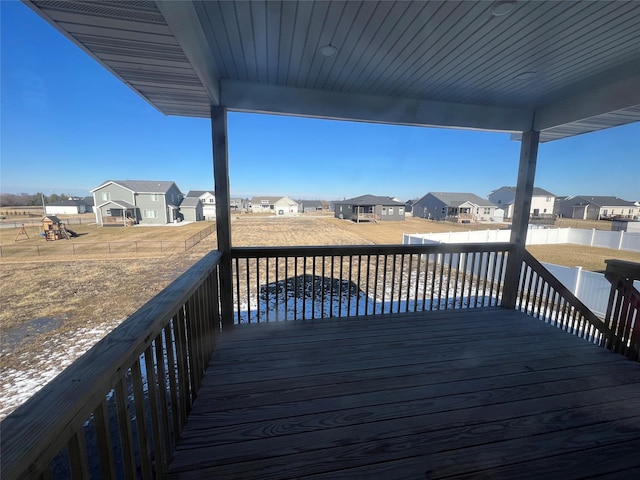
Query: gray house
x=120, y=202
x=462, y=207
x=370, y=208
x=191, y=209
x=208, y=199
x=587, y=207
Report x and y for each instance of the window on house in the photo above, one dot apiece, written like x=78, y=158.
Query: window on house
x=106, y=196
x=340, y=207
x=150, y=214
x=384, y=210
x=390, y=210
x=548, y=199
x=401, y=210
x=154, y=197
x=544, y=211
x=212, y=200
x=487, y=211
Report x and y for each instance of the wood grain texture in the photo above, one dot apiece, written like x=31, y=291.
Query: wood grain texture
x=484, y=393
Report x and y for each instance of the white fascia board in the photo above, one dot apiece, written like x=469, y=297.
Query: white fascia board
x=183, y=21
x=614, y=96
x=274, y=99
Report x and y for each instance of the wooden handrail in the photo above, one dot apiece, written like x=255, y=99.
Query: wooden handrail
x=350, y=250
x=185, y=312
x=623, y=310
x=543, y=296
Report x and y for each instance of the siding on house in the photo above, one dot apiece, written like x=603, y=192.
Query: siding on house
x=66, y=207
x=191, y=209
x=208, y=199
x=588, y=207
x=153, y=202
x=542, y=201
x=274, y=205
x=454, y=205
x=385, y=209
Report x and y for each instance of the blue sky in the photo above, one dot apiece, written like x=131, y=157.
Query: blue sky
x=67, y=124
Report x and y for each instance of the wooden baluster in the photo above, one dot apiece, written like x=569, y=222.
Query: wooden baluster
x=103, y=439
x=172, y=370
x=78, y=460
x=141, y=421
x=124, y=430
x=161, y=454
x=164, y=391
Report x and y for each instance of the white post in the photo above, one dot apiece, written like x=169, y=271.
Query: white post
x=593, y=237
x=621, y=237
x=578, y=280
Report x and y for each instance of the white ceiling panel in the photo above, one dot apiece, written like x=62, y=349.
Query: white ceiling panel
x=542, y=59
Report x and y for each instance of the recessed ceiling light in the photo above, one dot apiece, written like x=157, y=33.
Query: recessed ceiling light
x=328, y=50
x=502, y=8
x=525, y=75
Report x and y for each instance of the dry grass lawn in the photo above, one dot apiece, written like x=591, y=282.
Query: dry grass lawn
x=44, y=300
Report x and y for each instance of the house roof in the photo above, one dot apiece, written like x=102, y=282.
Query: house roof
x=52, y=218
x=537, y=192
x=371, y=200
x=268, y=200
x=561, y=68
x=141, y=186
x=599, y=201
x=198, y=193
x=455, y=199
x=190, y=202
x=88, y=200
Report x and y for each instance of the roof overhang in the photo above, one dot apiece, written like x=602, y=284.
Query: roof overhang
x=562, y=68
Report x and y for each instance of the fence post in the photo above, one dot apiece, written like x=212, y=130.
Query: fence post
x=576, y=290
x=593, y=237
x=38, y=249
x=109, y=246
x=621, y=237
x=185, y=245
x=160, y=246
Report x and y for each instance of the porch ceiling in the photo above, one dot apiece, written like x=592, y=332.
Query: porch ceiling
x=563, y=68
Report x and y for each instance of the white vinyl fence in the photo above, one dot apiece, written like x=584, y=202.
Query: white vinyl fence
x=590, y=287
x=535, y=236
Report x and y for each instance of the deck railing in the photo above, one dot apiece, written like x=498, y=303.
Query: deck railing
x=543, y=296
x=298, y=283
x=623, y=311
x=118, y=411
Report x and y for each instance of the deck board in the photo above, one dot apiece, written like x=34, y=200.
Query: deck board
x=485, y=393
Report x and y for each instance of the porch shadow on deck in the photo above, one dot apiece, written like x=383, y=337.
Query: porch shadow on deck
x=482, y=393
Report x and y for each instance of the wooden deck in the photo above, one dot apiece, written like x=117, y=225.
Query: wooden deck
x=484, y=393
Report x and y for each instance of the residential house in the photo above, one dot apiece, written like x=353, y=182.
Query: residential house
x=588, y=207
x=367, y=208
x=238, y=205
x=88, y=204
x=137, y=201
x=542, y=201
x=274, y=205
x=192, y=209
x=208, y=199
x=454, y=206
x=311, y=206
x=66, y=207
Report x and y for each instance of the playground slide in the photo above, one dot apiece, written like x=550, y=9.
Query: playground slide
x=71, y=232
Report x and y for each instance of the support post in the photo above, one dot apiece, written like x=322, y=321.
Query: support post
x=223, y=210
x=520, y=220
